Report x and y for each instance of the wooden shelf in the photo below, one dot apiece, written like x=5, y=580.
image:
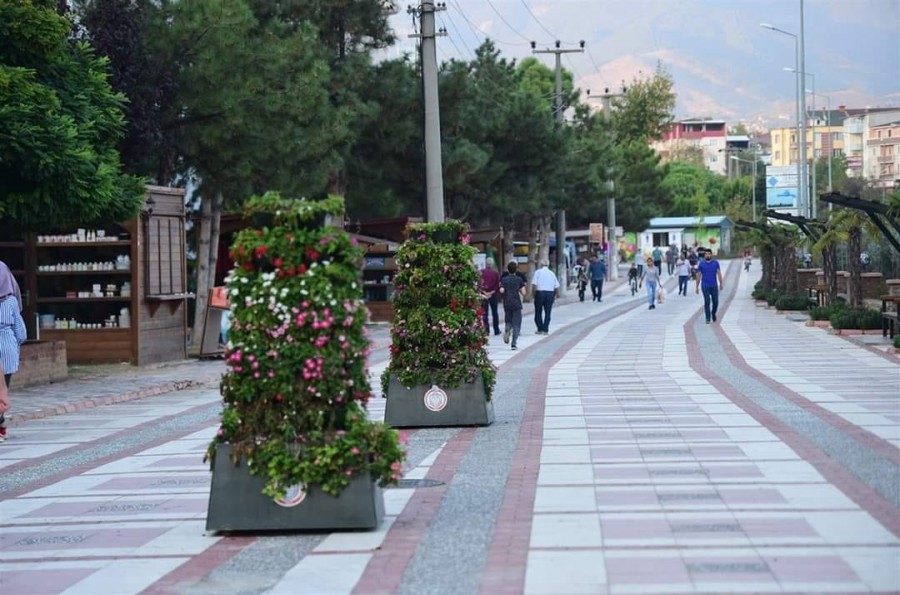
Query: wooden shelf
x=104, y=272
x=74, y=300
x=85, y=244
x=171, y=297
x=108, y=329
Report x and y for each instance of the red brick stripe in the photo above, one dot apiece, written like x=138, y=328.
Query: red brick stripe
x=385, y=570
x=864, y=496
x=197, y=567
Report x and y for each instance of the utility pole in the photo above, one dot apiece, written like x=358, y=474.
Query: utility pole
x=561, y=271
x=434, y=180
x=804, y=180
x=612, y=269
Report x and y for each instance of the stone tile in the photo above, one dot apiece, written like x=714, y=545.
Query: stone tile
x=566, y=531
x=565, y=499
x=581, y=571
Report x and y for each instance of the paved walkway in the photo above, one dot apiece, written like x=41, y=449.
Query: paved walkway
x=634, y=451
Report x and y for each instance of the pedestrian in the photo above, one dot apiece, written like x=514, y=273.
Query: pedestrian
x=709, y=277
x=512, y=289
x=692, y=261
x=671, y=257
x=657, y=259
x=490, y=285
x=598, y=274
x=581, y=278
x=683, y=269
x=651, y=276
x=12, y=333
x=545, y=285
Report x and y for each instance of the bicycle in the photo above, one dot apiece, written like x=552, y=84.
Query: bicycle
x=633, y=282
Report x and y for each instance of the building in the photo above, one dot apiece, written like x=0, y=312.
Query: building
x=882, y=154
x=711, y=232
x=825, y=132
x=707, y=135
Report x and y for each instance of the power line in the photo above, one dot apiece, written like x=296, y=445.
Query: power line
x=502, y=18
x=462, y=55
x=476, y=29
x=540, y=24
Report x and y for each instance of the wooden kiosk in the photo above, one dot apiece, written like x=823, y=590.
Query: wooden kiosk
x=117, y=293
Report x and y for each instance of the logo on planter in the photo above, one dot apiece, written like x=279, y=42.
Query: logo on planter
x=292, y=497
x=435, y=398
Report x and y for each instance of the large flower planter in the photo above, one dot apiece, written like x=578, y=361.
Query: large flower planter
x=236, y=503
x=430, y=406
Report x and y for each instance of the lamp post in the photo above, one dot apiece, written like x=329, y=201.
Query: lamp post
x=815, y=197
x=736, y=158
x=801, y=123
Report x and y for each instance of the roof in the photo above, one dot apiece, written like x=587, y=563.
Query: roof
x=711, y=221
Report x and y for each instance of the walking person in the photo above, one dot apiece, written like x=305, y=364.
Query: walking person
x=490, y=286
x=671, y=257
x=650, y=275
x=12, y=334
x=545, y=285
x=512, y=290
x=657, y=259
x=709, y=277
x=683, y=269
x=598, y=274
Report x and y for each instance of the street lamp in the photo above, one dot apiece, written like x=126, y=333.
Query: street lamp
x=815, y=197
x=736, y=158
x=801, y=122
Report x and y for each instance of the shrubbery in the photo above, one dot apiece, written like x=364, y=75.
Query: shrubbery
x=826, y=312
x=792, y=301
x=859, y=318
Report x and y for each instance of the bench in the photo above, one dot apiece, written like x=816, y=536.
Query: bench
x=889, y=322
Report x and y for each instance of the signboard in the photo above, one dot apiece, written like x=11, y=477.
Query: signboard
x=781, y=198
x=598, y=233
x=213, y=327
x=218, y=298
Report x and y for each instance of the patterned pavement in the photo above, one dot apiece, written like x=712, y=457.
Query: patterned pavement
x=634, y=451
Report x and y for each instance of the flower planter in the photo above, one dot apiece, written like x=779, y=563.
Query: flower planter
x=261, y=220
x=445, y=237
x=236, y=503
x=421, y=406
x=818, y=323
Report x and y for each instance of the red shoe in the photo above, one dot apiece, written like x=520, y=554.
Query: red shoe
x=2, y=433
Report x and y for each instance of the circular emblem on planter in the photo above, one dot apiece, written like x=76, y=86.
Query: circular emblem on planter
x=435, y=398
x=292, y=497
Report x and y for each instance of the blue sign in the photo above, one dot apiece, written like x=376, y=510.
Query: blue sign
x=773, y=181
x=781, y=198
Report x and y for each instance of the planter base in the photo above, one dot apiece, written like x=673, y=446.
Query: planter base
x=236, y=503
x=419, y=407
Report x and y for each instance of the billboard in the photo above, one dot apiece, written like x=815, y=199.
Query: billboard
x=781, y=198
x=597, y=233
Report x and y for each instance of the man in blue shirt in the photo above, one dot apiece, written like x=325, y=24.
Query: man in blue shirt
x=710, y=279
x=597, y=270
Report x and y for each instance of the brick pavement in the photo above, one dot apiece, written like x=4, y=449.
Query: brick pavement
x=634, y=452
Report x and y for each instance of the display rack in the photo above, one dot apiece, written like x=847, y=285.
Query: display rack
x=379, y=269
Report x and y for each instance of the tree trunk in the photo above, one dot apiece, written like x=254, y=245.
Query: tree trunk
x=214, y=233
x=767, y=261
x=202, y=271
x=337, y=183
x=509, y=247
x=829, y=268
x=546, y=224
x=534, y=233
x=854, y=249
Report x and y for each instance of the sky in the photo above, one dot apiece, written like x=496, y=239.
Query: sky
x=724, y=64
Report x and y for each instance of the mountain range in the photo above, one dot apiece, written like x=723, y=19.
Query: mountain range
x=724, y=64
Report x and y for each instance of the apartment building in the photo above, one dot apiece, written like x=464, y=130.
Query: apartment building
x=708, y=135
x=882, y=161
x=825, y=135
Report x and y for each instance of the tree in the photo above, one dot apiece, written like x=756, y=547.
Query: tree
x=639, y=191
x=646, y=109
x=118, y=29
x=59, y=124
x=693, y=190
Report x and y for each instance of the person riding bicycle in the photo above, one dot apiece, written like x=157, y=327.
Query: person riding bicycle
x=633, y=277
x=581, y=279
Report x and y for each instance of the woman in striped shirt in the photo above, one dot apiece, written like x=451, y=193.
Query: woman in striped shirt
x=12, y=330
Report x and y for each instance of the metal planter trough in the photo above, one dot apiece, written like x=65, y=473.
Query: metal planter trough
x=432, y=406
x=236, y=503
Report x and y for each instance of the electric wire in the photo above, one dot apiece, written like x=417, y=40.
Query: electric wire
x=540, y=24
x=476, y=30
x=463, y=41
x=502, y=18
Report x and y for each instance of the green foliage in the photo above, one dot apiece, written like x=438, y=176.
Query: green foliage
x=826, y=312
x=59, y=124
x=792, y=301
x=759, y=291
x=896, y=341
x=855, y=318
x=437, y=336
x=639, y=191
x=296, y=385
x=647, y=107
x=772, y=297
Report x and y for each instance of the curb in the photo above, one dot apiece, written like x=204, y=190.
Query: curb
x=91, y=403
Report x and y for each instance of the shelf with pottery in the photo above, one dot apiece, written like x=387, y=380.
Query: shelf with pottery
x=378, y=273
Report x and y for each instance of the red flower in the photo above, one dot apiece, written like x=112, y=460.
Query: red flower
x=301, y=268
x=277, y=262
x=480, y=311
x=261, y=251
x=313, y=255
x=248, y=266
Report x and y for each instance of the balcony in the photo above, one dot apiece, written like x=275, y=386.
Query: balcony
x=885, y=159
x=853, y=126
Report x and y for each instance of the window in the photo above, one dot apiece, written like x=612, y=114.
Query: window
x=777, y=155
x=661, y=239
x=818, y=153
x=793, y=139
x=777, y=138
x=793, y=155
x=889, y=133
x=837, y=152
x=835, y=136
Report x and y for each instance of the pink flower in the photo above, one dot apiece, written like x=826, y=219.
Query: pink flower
x=354, y=451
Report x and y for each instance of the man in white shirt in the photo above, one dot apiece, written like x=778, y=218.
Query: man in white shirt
x=545, y=285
